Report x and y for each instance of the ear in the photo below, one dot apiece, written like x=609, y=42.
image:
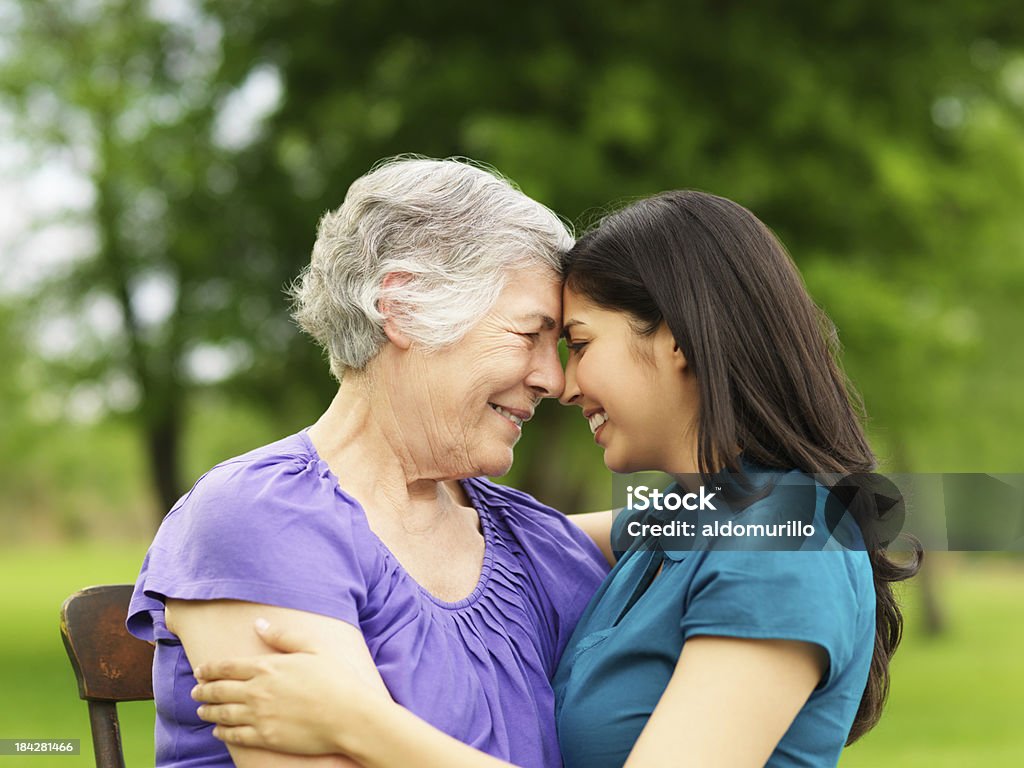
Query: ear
x=668, y=348
x=678, y=358
x=392, y=308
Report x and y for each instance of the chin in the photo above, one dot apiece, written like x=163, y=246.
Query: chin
x=495, y=465
x=615, y=464
x=621, y=466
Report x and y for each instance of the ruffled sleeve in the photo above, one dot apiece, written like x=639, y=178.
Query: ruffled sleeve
x=262, y=528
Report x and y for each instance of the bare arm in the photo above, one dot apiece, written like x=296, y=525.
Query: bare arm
x=729, y=703
x=221, y=628
x=598, y=526
x=306, y=698
x=398, y=738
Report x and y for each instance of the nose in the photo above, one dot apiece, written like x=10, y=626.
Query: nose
x=546, y=377
x=571, y=390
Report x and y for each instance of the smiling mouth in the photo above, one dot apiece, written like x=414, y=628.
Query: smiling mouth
x=508, y=415
x=597, y=420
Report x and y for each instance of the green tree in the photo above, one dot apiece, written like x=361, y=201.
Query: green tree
x=136, y=100
x=882, y=142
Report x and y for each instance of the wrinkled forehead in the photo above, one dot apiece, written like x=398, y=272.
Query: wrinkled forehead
x=534, y=297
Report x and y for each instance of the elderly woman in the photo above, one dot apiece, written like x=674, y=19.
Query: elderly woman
x=435, y=290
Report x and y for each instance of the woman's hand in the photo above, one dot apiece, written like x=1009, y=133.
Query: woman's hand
x=303, y=700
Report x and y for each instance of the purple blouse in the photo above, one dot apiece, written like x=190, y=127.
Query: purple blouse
x=274, y=527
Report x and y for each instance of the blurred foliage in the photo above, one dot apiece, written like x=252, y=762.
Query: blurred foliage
x=883, y=142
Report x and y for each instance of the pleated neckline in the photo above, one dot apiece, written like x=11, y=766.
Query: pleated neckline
x=486, y=526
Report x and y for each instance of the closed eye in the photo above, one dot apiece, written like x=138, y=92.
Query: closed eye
x=576, y=347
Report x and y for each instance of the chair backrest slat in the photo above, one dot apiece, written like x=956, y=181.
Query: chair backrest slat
x=110, y=665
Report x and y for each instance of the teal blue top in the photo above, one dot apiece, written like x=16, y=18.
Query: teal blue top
x=624, y=650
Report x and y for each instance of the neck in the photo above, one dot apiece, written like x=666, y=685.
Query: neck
x=361, y=439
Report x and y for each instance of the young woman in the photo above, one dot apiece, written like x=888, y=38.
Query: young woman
x=694, y=350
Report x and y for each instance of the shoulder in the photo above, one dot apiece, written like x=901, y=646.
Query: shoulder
x=269, y=527
x=278, y=506
x=252, y=473
x=285, y=479
x=488, y=490
x=545, y=537
x=817, y=518
x=521, y=511
x=787, y=537
x=786, y=560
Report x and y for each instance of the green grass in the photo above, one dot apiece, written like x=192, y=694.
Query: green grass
x=955, y=700
x=40, y=698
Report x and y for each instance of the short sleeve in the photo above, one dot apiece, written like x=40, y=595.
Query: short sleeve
x=819, y=597
x=269, y=529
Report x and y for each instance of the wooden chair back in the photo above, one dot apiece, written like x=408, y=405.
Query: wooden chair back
x=110, y=664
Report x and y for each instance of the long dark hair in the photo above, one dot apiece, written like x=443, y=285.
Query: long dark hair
x=764, y=356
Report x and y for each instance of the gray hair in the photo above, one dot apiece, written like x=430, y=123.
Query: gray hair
x=452, y=231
